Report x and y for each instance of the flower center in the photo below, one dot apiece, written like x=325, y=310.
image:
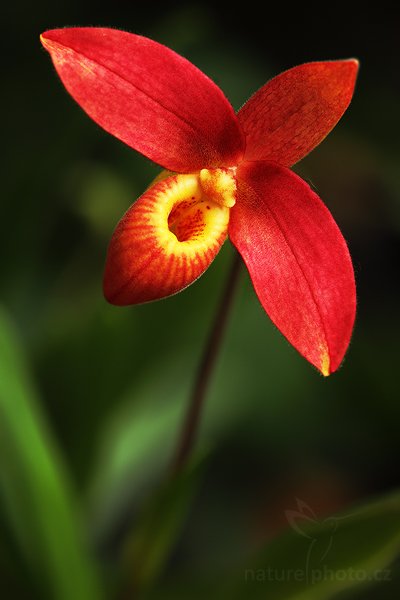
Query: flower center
x=199, y=201
x=195, y=212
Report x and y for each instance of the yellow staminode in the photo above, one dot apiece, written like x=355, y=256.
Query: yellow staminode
x=219, y=185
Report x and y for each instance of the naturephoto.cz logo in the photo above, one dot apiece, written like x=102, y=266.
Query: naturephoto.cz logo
x=317, y=560
x=314, y=575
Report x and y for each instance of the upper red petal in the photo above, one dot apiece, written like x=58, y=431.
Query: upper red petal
x=147, y=96
x=298, y=261
x=292, y=113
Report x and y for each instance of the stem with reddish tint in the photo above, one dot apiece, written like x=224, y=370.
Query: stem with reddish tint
x=205, y=370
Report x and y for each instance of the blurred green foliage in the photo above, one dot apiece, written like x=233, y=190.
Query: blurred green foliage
x=38, y=501
x=112, y=382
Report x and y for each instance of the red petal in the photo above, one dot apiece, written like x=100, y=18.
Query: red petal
x=147, y=96
x=298, y=261
x=165, y=241
x=295, y=111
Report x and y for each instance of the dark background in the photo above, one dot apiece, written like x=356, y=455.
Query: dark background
x=111, y=381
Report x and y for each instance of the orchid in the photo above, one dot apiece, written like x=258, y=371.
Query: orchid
x=225, y=174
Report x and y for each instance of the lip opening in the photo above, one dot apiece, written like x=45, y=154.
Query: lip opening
x=187, y=220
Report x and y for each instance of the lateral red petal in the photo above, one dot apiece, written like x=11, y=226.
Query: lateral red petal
x=297, y=259
x=148, y=96
x=291, y=114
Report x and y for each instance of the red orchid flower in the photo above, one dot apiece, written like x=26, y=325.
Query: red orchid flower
x=226, y=173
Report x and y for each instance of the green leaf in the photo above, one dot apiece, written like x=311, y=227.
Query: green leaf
x=37, y=495
x=316, y=560
x=158, y=527
x=135, y=449
x=129, y=482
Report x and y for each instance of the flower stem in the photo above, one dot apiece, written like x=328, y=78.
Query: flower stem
x=205, y=369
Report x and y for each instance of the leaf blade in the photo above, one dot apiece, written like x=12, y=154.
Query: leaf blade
x=38, y=496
